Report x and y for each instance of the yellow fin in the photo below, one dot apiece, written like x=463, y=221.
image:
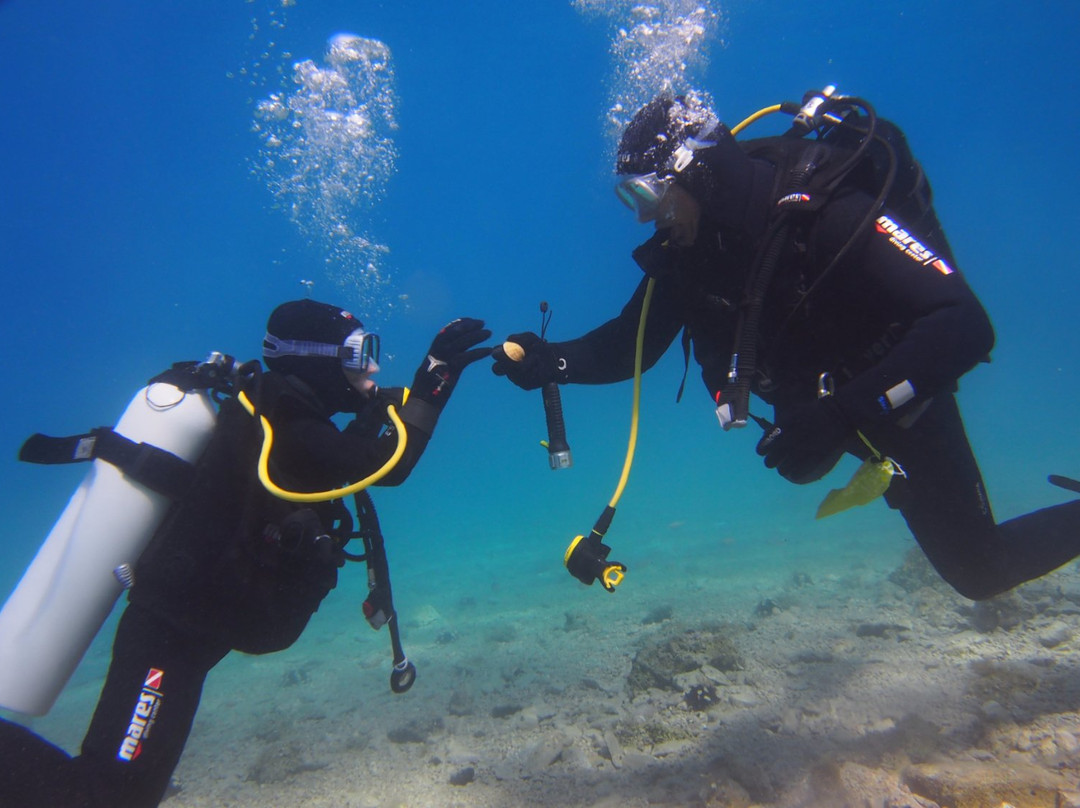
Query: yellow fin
x=870, y=481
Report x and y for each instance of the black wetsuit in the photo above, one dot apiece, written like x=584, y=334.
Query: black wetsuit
x=894, y=331
x=231, y=568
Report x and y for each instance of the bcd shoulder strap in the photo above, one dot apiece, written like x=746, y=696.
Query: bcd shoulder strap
x=157, y=469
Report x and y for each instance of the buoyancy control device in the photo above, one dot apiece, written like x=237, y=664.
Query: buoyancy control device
x=835, y=140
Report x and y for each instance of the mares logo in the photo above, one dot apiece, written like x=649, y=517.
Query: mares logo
x=910, y=246
x=143, y=716
x=793, y=199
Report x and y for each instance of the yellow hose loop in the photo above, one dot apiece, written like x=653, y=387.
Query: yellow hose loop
x=320, y=496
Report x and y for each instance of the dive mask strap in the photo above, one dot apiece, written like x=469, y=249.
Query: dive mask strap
x=684, y=154
x=360, y=351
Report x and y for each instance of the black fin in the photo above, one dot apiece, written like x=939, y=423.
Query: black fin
x=1067, y=483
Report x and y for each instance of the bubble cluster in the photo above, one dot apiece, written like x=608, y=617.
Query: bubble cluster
x=656, y=48
x=327, y=153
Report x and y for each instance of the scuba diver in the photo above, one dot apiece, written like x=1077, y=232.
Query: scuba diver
x=809, y=269
x=244, y=557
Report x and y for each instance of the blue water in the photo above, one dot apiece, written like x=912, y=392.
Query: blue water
x=138, y=226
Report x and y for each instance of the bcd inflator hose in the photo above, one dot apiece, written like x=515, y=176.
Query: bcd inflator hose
x=559, y=455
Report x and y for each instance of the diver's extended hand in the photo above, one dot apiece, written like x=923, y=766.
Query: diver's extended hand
x=539, y=365
x=806, y=443
x=450, y=353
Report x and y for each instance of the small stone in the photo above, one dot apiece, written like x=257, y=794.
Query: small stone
x=669, y=748
x=576, y=758
x=994, y=711
x=614, y=748
x=743, y=699
x=461, y=703
x=1068, y=799
x=1066, y=742
x=881, y=726
x=462, y=777
x=417, y=731
x=543, y=755
x=506, y=769
x=529, y=718
x=971, y=784
x=1055, y=634
x=880, y=630
x=426, y=615
x=635, y=761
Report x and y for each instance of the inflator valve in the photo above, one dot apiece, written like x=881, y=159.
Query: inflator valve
x=559, y=456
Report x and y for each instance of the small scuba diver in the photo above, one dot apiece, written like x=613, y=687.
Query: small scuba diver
x=809, y=269
x=249, y=545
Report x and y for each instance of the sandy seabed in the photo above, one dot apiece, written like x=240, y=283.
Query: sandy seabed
x=792, y=688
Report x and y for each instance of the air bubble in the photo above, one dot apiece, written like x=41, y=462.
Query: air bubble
x=655, y=48
x=327, y=151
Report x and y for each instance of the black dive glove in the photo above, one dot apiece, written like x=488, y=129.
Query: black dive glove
x=806, y=444
x=537, y=367
x=450, y=353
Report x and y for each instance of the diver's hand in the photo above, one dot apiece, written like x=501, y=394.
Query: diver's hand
x=806, y=444
x=450, y=353
x=538, y=366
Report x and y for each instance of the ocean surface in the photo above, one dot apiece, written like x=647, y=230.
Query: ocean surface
x=171, y=171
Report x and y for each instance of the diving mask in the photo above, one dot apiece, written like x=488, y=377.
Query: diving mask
x=643, y=193
x=365, y=352
x=359, y=353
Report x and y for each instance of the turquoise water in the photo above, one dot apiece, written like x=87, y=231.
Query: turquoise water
x=140, y=224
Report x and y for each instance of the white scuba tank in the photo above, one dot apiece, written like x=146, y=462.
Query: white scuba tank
x=72, y=584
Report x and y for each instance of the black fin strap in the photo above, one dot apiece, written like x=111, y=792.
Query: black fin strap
x=51, y=451
x=155, y=468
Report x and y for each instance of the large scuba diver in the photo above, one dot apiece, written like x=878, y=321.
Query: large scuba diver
x=810, y=270
x=217, y=502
